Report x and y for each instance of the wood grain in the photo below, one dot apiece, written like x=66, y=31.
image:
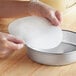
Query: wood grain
x=19, y=64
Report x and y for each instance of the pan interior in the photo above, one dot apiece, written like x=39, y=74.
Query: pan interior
x=62, y=48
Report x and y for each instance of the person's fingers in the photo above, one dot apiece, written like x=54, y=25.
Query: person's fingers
x=58, y=15
x=8, y=44
x=7, y=48
x=50, y=21
x=12, y=38
x=13, y=46
x=15, y=40
x=53, y=19
x=16, y=43
x=51, y=14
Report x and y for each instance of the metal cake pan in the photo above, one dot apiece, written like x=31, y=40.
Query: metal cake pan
x=66, y=56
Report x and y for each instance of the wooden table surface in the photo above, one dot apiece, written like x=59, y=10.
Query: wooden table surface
x=19, y=64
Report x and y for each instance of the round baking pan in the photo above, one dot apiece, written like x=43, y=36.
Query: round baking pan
x=63, y=54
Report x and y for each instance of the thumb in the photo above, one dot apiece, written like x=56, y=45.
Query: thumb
x=12, y=46
x=14, y=42
x=14, y=39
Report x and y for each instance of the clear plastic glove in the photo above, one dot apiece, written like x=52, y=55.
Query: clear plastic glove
x=8, y=44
